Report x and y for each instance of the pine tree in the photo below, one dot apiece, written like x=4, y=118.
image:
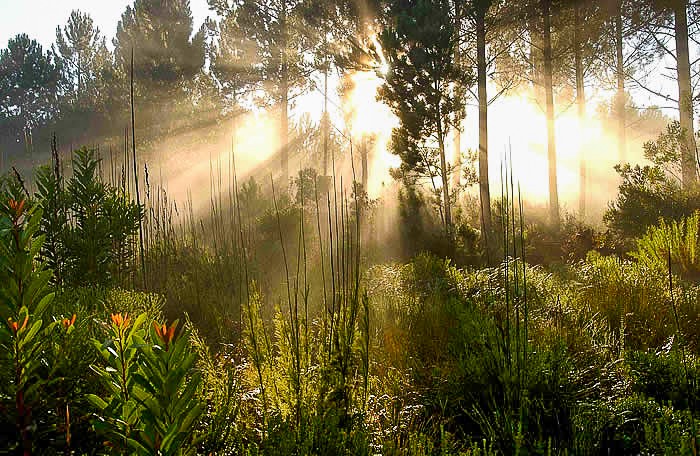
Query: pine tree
x=82, y=52
x=667, y=28
x=490, y=35
x=166, y=57
x=88, y=98
x=585, y=41
x=419, y=45
x=28, y=88
x=274, y=40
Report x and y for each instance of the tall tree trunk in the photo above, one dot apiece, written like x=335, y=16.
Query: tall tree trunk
x=326, y=126
x=581, y=104
x=77, y=93
x=685, y=97
x=364, y=151
x=536, y=60
x=445, y=176
x=284, y=103
x=457, y=132
x=620, y=94
x=326, y=130
x=484, y=192
x=549, y=98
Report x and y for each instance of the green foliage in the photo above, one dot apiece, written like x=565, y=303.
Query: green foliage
x=88, y=225
x=52, y=200
x=650, y=193
x=420, y=231
x=645, y=196
x=82, y=53
x=171, y=408
x=669, y=376
x=419, y=45
x=151, y=405
x=634, y=300
x=570, y=242
x=680, y=239
x=635, y=425
x=119, y=412
x=24, y=335
x=104, y=219
x=271, y=53
x=90, y=100
x=164, y=52
x=28, y=87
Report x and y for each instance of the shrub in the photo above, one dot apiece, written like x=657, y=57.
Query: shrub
x=151, y=405
x=650, y=193
x=25, y=332
x=669, y=376
x=634, y=300
x=680, y=239
x=634, y=425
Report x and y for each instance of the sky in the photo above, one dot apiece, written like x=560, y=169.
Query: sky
x=39, y=18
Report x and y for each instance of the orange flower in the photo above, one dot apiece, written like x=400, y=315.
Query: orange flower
x=17, y=207
x=165, y=333
x=121, y=321
x=16, y=210
x=67, y=323
x=15, y=326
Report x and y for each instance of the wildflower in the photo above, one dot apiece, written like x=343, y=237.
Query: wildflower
x=165, y=333
x=120, y=321
x=16, y=206
x=67, y=323
x=17, y=209
x=15, y=326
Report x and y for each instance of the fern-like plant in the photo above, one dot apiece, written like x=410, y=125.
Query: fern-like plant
x=679, y=239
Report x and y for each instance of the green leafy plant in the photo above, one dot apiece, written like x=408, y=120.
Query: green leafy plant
x=168, y=393
x=119, y=411
x=151, y=406
x=25, y=295
x=103, y=220
x=680, y=239
x=87, y=223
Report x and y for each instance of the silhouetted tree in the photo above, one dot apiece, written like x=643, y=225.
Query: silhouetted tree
x=82, y=52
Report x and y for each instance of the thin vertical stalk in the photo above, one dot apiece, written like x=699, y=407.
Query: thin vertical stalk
x=136, y=175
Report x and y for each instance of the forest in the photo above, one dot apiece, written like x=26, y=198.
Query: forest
x=351, y=227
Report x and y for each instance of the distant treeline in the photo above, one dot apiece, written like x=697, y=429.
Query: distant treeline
x=434, y=55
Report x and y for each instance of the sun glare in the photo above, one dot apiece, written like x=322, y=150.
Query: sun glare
x=517, y=128
x=370, y=119
x=383, y=63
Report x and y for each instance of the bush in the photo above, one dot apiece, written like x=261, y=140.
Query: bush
x=650, y=193
x=89, y=225
x=680, y=239
x=571, y=242
x=635, y=301
x=669, y=376
x=150, y=404
x=634, y=425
